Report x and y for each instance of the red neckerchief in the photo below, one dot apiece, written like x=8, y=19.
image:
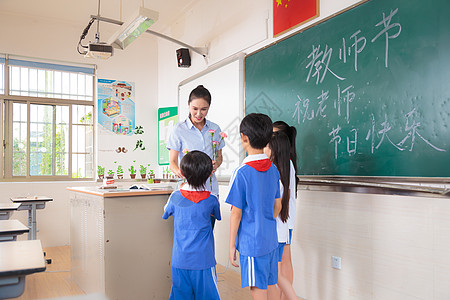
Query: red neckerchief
x=195, y=196
x=260, y=165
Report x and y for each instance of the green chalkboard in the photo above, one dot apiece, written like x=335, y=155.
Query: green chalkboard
x=368, y=90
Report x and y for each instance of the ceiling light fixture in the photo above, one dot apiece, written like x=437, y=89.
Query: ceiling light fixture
x=203, y=51
x=131, y=29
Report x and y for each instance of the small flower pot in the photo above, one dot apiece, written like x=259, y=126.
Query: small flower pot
x=132, y=176
x=143, y=176
x=109, y=176
x=119, y=176
x=101, y=176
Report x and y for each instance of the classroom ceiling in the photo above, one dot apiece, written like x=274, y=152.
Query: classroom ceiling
x=79, y=12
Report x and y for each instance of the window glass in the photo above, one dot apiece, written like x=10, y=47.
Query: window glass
x=41, y=139
x=2, y=79
x=82, y=141
x=28, y=81
x=19, y=137
x=49, y=137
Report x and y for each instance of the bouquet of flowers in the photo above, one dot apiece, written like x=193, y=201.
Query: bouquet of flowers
x=215, y=145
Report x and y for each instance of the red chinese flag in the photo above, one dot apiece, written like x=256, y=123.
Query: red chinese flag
x=291, y=13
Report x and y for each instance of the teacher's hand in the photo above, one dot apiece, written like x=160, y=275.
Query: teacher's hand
x=177, y=172
x=215, y=166
x=173, y=163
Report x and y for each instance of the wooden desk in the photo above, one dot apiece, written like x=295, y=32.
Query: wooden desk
x=31, y=204
x=18, y=259
x=6, y=209
x=120, y=245
x=10, y=229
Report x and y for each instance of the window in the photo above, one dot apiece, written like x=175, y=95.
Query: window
x=47, y=123
x=2, y=72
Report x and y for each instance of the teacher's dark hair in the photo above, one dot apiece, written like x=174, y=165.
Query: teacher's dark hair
x=279, y=154
x=196, y=167
x=200, y=92
x=258, y=128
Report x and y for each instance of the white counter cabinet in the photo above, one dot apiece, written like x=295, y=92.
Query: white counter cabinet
x=120, y=245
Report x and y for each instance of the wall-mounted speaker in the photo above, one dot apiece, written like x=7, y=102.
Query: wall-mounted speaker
x=183, y=58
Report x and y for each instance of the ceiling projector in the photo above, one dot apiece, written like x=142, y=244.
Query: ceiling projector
x=99, y=50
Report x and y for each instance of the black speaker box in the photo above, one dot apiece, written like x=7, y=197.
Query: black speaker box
x=183, y=58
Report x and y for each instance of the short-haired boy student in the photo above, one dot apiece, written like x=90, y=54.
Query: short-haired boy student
x=193, y=258
x=254, y=194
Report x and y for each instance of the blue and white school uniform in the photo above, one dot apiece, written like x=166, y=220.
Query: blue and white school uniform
x=186, y=136
x=193, y=256
x=253, y=188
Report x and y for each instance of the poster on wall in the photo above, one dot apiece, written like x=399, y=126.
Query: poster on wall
x=288, y=14
x=167, y=118
x=116, y=106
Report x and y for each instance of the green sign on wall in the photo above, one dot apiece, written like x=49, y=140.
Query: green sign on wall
x=167, y=118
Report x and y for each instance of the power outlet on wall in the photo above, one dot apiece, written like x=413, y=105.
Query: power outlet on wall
x=336, y=262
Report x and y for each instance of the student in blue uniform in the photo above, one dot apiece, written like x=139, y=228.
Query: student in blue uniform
x=254, y=193
x=193, y=256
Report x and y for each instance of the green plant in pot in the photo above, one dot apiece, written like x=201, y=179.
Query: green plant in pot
x=132, y=170
x=151, y=176
x=110, y=174
x=143, y=171
x=119, y=172
x=166, y=172
x=100, y=172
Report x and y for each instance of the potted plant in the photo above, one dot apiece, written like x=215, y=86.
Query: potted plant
x=167, y=172
x=151, y=176
x=119, y=172
x=132, y=172
x=100, y=172
x=143, y=171
x=110, y=174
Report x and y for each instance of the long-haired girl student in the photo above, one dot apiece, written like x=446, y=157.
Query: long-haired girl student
x=278, y=152
x=286, y=263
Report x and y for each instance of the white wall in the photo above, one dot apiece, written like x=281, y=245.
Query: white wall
x=56, y=39
x=392, y=247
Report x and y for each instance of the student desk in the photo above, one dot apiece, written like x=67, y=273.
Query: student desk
x=6, y=209
x=18, y=259
x=10, y=229
x=31, y=204
x=120, y=245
